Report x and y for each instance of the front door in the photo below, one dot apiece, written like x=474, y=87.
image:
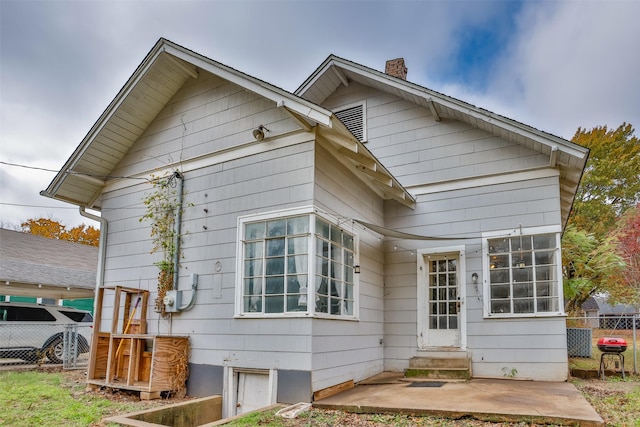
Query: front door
x=441, y=301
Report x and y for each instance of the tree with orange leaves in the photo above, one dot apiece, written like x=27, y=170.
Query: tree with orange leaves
x=87, y=235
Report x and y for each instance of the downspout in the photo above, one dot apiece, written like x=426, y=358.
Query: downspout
x=102, y=249
x=177, y=229
x=176, y=245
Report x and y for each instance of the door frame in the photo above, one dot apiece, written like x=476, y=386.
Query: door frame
x=422, y=293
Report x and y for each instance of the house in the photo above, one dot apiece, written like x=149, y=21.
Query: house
x=361, y=224
x=38, y=269
x=600, y=314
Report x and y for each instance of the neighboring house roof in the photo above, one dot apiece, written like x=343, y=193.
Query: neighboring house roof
x=37, y=266
x=604, y=309
x=570, y=158
x=160, y=76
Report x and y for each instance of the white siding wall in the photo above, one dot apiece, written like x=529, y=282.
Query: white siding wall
x=420, y=151
x=208, y=115
x=344, y=350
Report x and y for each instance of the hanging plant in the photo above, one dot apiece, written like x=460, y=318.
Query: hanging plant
x=162, y=205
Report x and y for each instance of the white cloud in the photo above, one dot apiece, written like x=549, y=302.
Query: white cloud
x=573, y=64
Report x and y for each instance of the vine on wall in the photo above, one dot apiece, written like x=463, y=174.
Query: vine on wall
x=162, y=206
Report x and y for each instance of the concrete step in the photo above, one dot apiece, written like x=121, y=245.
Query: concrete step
x=439, y=368
x=439, y=363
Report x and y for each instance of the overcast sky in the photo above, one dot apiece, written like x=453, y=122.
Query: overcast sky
x=554, y=65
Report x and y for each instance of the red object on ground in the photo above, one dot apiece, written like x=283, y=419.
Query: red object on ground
x=612, y=345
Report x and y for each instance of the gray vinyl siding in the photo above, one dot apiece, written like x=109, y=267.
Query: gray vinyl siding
x=206, y=116
x=420, y=151
x=535, y=347
x=350, y=350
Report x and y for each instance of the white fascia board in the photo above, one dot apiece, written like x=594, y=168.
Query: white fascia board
x=277, y=95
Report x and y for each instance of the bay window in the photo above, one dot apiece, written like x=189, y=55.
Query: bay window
x=295, y=263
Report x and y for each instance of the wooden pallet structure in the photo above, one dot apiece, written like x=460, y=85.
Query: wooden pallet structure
x=127, y=357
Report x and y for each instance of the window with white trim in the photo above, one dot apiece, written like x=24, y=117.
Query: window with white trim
x=524, y=275
x=296, y=264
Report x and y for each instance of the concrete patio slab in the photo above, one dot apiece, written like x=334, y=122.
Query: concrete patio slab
x=495, y=400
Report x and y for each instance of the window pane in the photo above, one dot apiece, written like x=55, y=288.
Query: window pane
x=293, y=303
x=348, y=274
x=336, y=234
x=253, y=286
x=545, y=273
x=453, y=308
x=253, y=250
x=453, y=322
x=254, y=231
x=274, y=304
x=298, y=225
x=545, y=258
x=547, y=305
x=544, y=241
x=297, y=245
x=297, y=264
x=499, y=261
x=522, y=274
x=522, y=290
x=347, y=241
x=348, y=307
x=501, y=306
x=545, y=289
x=322, y=304
x=523, y=305
x=500, y=291
x=433, y=322
x=335, y=306
x=322, y=248
x=294, y=283
x=253, y=268
x=498, y=246
x=275, y=266
x=322, y=286
x=275, y=285
x=336, y=270
x=522, y=259
x=348, y=291
x=521, y=243
x=252, y=304
x=275, y=247
x=499, y=276
x=322, y=228
x=336, y=253
x=322, y=266
x=276, y=228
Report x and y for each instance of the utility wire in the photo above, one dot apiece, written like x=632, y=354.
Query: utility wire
x=72, y=172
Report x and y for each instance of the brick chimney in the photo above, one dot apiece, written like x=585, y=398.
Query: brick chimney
x=396, y=68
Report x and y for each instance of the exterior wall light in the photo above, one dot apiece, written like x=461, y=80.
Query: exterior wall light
x=258, y=133
x=474, y=278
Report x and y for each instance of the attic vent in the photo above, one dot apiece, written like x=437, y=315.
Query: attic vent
x=353, y=118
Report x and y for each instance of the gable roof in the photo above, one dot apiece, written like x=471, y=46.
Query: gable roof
x=37, y=266
x=161, y=74
x=570, y=158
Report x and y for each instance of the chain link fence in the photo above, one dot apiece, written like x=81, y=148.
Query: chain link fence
x=43, y=343
x=583, y=334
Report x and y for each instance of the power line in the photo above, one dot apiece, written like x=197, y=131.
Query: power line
x=72, y=172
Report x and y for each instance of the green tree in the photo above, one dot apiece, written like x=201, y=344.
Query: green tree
x=610, y=186
x=611, y=181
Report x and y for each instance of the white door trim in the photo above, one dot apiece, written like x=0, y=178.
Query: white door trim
x=422, y=293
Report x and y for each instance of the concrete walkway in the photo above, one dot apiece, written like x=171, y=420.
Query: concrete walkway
x=495, y=400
